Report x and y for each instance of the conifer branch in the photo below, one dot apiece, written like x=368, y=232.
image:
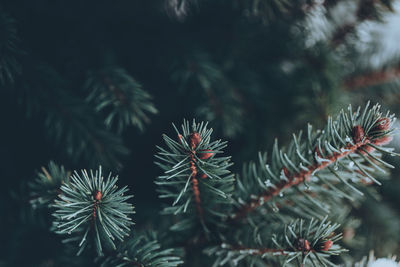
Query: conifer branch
x=366, y=10
x=222, y=104
x=122, y=100
x=308, y=243
x=143, y=250
x=70, y=122
x=91, y=207
x=194, y=159
x=46, y=187
x=297, y=178
x=371, y=79
x=351, y=139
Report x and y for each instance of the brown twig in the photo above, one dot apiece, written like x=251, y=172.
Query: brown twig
x=193, y=142
x=97, y=197
x=372, y=78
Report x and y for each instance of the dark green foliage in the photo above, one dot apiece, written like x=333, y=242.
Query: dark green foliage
x=200, y=187
x=122, y=101
x=70, y=122
x=220, y=102
x=268, y=10
x=46, y=186
x=9, y=50
x=143, y=250
x=93, y=211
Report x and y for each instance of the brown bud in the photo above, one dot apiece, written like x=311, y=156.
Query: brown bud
x=203, y=176
x=195, y=139
x=382, y=124
x=205, y=154
x=358, y=133
x=98, y=195
x=383, y=141
x=303, y=245
x=327, y=245
x=306, y=245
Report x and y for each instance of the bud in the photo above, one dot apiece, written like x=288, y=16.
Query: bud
x=205, y=154
x=203, y=176
x=303, y=244
x=306, y=245
x=98, y=195
x=382, y=124
x=327, y=245
x=383, y=141
x=195, y=140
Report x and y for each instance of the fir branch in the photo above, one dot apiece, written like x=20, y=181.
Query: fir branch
x=46, y=187
x=91, y=207
x=366, y=10
x=194, y=159
x=269, y=10
x=122, y=100
x=221, y=102
x=70, y=122
x=350, y=140
x=372, y=78
x=300, y=243
x=311, y=200
x=143, y=250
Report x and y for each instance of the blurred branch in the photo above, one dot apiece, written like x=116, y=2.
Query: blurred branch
x=366, y=10
x=372, y=78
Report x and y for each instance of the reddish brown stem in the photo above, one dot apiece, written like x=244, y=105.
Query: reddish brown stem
x=195, y=183
x=294, y=180
x=94, y=211
x=372, y=78
x=97, y=197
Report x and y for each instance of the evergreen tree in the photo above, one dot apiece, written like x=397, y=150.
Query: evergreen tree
x=88, y=88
